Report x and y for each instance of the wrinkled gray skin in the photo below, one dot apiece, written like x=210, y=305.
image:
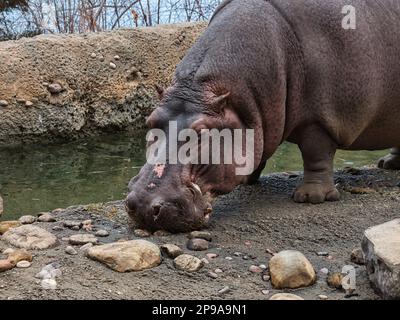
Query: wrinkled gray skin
x=287, y=69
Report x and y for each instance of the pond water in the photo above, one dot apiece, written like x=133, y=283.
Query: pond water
x=45, y=177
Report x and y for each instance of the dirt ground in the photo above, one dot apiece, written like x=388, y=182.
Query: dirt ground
x=250, y=220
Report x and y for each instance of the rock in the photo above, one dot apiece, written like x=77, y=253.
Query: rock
x=113, y=65
x=46, y=217
x=1, y=206
x=28, y=103
x=266, y=277
x=171, y=250
x=57, y=228
x=212, y=275
x=263, y=266
x=322, y=254
x=101, y=233
x=86, y=247
x=7, y=225
x=19, y=255
x=93, y=55
x=255, y=269
x=75, y=228
x=141, y=233
x=211, y=255
x=291, y=269
x=323, y=297
x=23, y=264
x=357, y=256
x=6, y=265
x=200, y=235
x=381, y=248
x=224, y=290
x=218, y=270
x=205, y=261
x=30, y=237
x=197, y=244
x=161, y=233
x=27, y=219
x=70, y=224
x=265, y=292
x=3, y=103
x=188, y=263
x=334, y=280
x=55, y=88
x=101, y=58
x=229, y=258
x=49, y=284
x=81, y=239
x=134, y=255
x=70, y=250
x=237, y=254
x=324, y=271
x=285, y=296
x=116, y=57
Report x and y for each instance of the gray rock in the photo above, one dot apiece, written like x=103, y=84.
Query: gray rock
x=101, y=233
x=70, y=250
x=212, y=275
x=134, y=255
x=200, y=235
x=197, y=244
x=188, y=263
x=30, y=237
x=57, y=228
x=357, y=256
x=81, y=239
x=49, y=284
x=381, y=248
x=171, y=250
x=285, y=296
x=27, y=219
x=291, y=269
x=46, y=217
x=3, y=103
x=71, y=223
x=55, y=88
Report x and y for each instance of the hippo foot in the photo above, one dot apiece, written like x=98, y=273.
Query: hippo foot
x=316, y=193
x=390, y=162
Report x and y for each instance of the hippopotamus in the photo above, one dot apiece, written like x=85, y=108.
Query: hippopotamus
x=289, y=70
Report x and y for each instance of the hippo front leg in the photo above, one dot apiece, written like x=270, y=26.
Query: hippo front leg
x=391, y=161
x=318, y=150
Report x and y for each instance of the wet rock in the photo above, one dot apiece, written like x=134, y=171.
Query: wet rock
x=161, y=233
x=171, y=250
x=211, y=255
x=23, y=264
x=49, y=284
x=70, y=250
x=255, y=269
x=113, y=65
x=200, y=235
x=334, y=280
x=30, y=237
x=134, y=255
x=101, y=233
x=46, y=217
x=224, y=290
x=55, y=88
x=381, y=248
x=291, y=269
x=27, y=219
x=7, y=225
x=188, y=263
x=71, y=223
x=357, y=256
x=81, y=239
x=285, y=296
x=197, y=244
x=141, y=233
x=3, y=103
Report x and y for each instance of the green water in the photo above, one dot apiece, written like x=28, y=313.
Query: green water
x=41, y=178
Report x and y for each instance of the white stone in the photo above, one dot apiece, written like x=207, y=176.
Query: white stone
x=30, y=237
x=285, y=296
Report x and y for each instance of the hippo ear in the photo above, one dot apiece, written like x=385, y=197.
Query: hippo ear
x=160, y=90
x=219, y=102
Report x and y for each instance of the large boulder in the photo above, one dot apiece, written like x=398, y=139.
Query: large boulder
x=381, y=247
x=134, y=255
x=30, y=237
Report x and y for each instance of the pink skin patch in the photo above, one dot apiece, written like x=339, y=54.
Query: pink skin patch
x=159, y=170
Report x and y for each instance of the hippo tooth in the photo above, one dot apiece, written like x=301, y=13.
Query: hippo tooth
x=196, y=186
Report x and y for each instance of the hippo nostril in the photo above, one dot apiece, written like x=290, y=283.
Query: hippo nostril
x=156, y=211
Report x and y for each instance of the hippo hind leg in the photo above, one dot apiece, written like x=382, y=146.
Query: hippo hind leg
x=318, y=150
x=391, y=161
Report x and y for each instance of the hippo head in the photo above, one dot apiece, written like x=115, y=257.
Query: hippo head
x=177, y=196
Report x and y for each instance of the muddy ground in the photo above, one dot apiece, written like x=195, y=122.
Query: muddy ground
x=250, y=220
